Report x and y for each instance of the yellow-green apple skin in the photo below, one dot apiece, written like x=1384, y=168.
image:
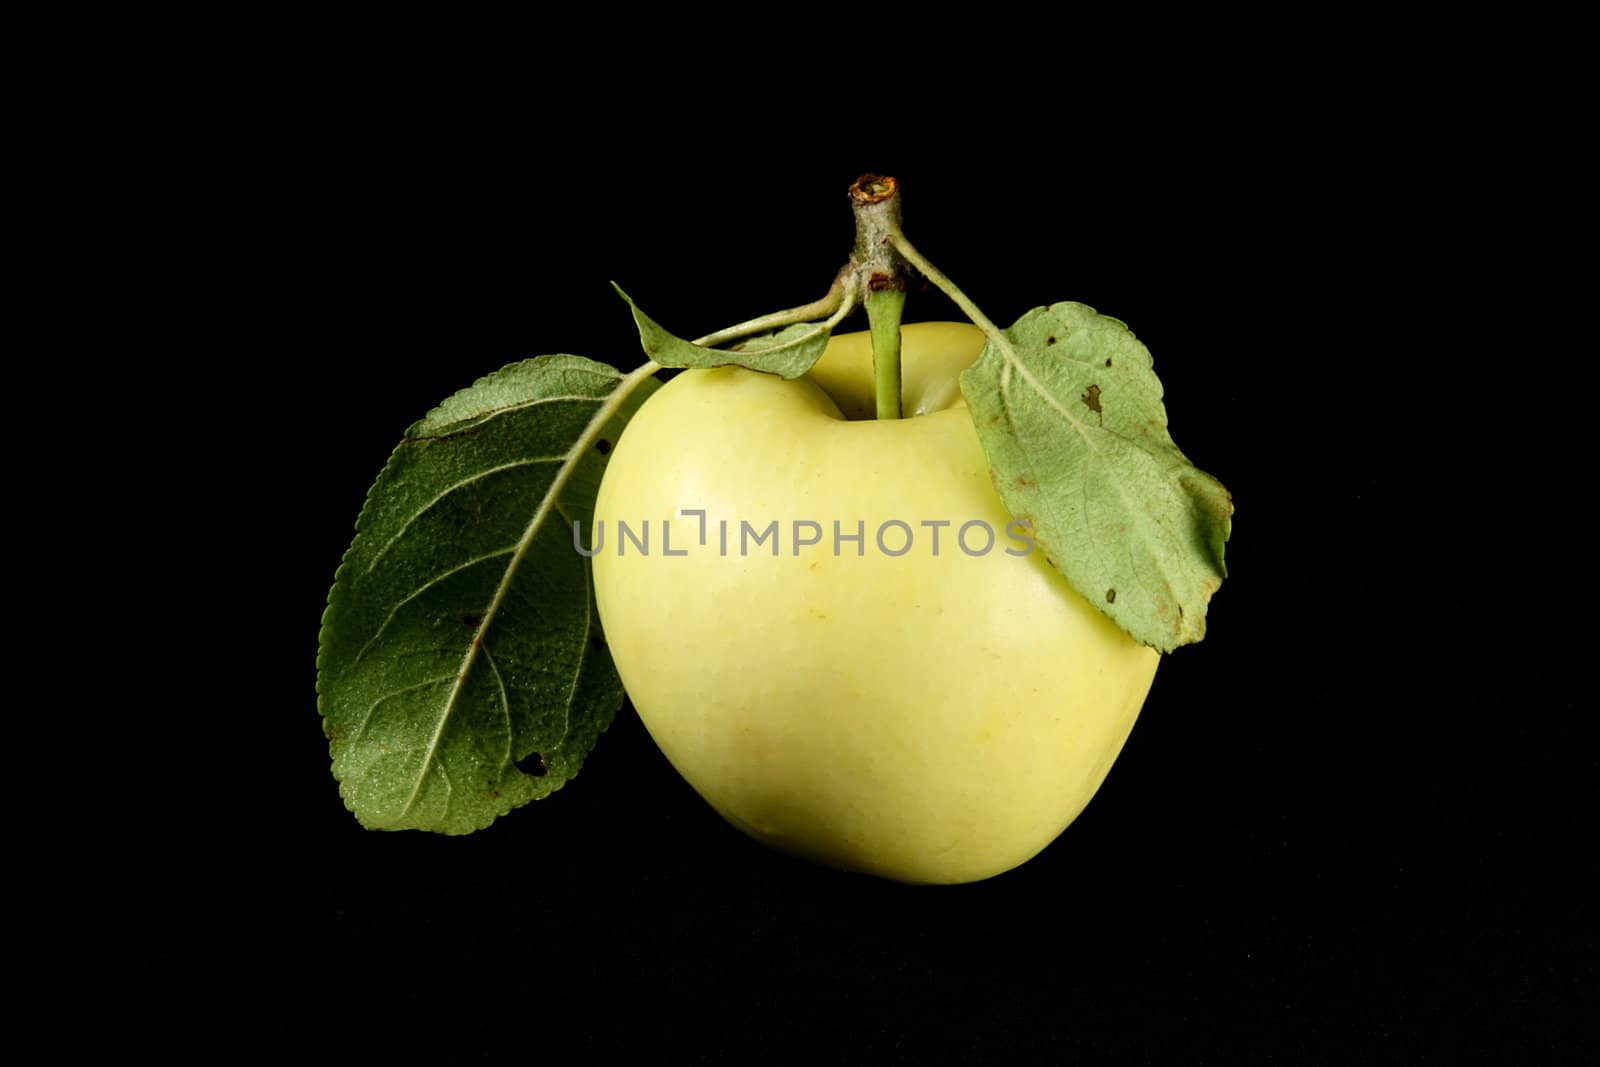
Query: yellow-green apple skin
x=926, y=718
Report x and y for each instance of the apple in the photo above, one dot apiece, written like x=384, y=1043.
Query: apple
x=903, y=704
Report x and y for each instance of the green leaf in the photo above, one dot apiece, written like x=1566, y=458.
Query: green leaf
x=1070, y=415
x=788, y=354
x=461, y=672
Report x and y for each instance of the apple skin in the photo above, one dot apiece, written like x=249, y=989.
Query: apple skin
x=929, y=719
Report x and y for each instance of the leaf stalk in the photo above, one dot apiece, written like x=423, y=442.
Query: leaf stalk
x=827, y=305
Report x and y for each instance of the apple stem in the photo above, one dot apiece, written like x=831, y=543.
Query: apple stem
x=883, y=319
x=880, y=274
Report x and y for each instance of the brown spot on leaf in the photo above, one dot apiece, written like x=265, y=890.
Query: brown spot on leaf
x=1092, y=399
x=1049, y=340
x=1022, y=481
x=602, y=446
x=533, y=764
x=1108, y=361
x=1111, y=596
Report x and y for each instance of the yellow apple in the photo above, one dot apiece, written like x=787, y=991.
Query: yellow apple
x=923, y=715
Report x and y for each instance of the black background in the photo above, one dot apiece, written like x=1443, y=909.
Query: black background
x=1333, y=835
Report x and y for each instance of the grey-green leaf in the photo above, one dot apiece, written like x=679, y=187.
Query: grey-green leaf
x=461, y=670
x=1070, y=416
x=788, y=354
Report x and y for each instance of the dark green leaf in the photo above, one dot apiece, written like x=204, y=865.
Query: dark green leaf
x=1070, y=415
x=788, y=354
x=461, y=671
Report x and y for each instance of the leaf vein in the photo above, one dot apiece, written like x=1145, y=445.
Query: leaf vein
x=362, y=726
x=462, y=484
x=423, y=588
x=505, y=708
x=583, y=654
x=449, y=789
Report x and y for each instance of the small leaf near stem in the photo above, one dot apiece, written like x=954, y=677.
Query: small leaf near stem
x=790, y=359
